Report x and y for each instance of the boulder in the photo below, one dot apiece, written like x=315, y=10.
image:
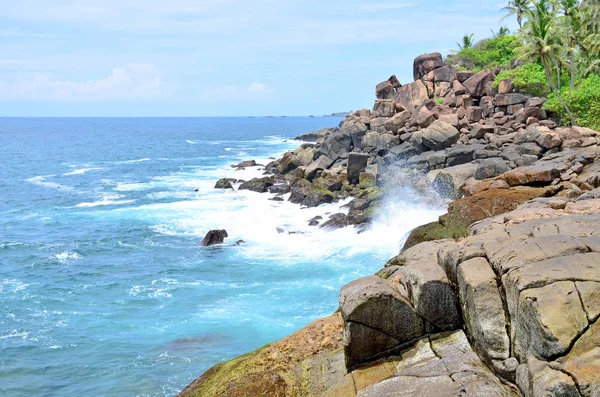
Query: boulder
x=427, y=285
x=315, y=135
x=244, y=164
x=335, y=221
x=478, y=84
x=474, y=113
x=426, y=63
x=322, y=163
x=377, y=319
x=425, y=117
x=444, y=74
x=308, y=194
x=439, y=135
x=463, y=75
x=338, y=144
x=384, y=108
x=489, y=168
x=357, y=163
x=214, y=237
x=509, y=99
x=397, y=121
x=384, y=90
x=479, y=130
x=259, y=185
x=483, y=310
x=522, y=115
x=225, y=183
x=448, y=181
x=409, y=96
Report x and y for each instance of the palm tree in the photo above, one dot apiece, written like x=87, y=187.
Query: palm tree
x=572, y=27
x=540, y=43
x=518, y=7
x=590, y=34
x=467, y=42
x=503, y=31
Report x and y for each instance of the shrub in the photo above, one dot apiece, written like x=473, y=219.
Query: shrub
x=583, y=100
x=489, y=53
x=529, y=78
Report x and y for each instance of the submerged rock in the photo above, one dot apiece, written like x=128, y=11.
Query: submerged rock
x=214, y=237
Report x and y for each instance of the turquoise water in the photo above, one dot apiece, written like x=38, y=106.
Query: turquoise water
x=104, y=288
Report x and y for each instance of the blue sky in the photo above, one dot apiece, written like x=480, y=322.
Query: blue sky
x=219, y=57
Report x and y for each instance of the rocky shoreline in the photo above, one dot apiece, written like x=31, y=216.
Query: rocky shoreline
x=500, y=297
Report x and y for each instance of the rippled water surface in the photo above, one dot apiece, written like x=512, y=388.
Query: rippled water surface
x=103, y=286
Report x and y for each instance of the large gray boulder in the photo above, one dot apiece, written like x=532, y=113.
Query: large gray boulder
x=384, y=90
x=478, y=85
x=377, y=319
x=439, y=135
x=426, y=63
x=483, y=310
x=259, y=185
x=357, y=163
x=410, y=96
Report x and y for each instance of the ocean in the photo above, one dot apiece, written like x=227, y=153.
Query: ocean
x=104, y=287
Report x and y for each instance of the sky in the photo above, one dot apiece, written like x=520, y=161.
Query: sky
x=219, y=57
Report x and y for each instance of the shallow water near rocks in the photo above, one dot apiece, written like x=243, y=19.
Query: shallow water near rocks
x=104, y=288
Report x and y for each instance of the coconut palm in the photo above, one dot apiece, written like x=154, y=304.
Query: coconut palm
x=572, y=27
x=540, y=43
x=467, y=42
x=590, y=34
x=518, y=7
x=503, y=31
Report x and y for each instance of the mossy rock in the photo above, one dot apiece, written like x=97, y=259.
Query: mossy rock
x=452, y=228
x=367, y=180
x=306, y=363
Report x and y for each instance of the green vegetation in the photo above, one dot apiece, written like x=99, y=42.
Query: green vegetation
x=583, y=100
x=488, y=53
x=467, y=42
x=529, y=78
x=555, y=53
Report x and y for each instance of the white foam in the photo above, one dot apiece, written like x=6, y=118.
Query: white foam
x=83, y=171
x=66, y=257
x=12, y=286
x=41, y=181
x=103, y=202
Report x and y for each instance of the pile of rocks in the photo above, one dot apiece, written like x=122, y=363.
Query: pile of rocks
x=452, y=125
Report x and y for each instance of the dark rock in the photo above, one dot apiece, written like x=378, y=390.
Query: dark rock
x=463, y=75
x=535, y=102
x=384, y=108
x=425, y=117
x=279, y=188
x=474, y=113
x=357, y=163
x=259, y=185
x=490, y=168
x=277, y=199
x=394, y=81
x=425, y=63
x=444, y=74
x=522, y=115
x=322, y=163
x=315, y=221
x=214, y=237
x=513, y=98
x=244, y=164
x=384, y=90
x=240, y=242
x=477, y=84
x=479, y=131
x=309, y=195
x=225, y=183
x=338, y=144
x=439, y=135
x=409, y=96
x=314, y=136
x=335, y=221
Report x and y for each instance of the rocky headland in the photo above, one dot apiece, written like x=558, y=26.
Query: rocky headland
x=500, y=297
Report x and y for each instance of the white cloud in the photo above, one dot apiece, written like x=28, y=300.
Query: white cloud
x=237, y=93
x=133, y=82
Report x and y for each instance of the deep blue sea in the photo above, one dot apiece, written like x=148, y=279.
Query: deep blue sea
x=104, y=289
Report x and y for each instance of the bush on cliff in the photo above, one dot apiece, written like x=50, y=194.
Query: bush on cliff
x=583, y=100
x=488, y=53
x=529, y=78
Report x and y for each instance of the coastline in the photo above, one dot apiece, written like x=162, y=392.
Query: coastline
x=509, y=170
